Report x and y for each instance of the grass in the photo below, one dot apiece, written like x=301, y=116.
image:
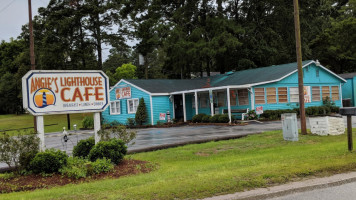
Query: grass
x=26, y=121
x=215, y=168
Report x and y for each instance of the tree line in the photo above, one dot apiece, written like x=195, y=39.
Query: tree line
x=177, y=38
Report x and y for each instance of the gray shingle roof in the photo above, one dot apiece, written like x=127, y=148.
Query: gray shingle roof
x=244, y=77
x=348, y=75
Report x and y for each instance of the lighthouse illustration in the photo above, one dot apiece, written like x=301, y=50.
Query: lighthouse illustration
x=44, y=97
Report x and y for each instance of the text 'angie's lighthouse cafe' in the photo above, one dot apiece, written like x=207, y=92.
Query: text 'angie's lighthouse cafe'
x=63, y=92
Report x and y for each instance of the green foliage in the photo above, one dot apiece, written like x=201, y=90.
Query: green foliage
x=251, y=115
x=141, y=113
x=77, y=168
x=88, y=122
x=215, y=118
x=224, y=118
x=206, y=118
x=83, y=147
x=119, y=132
x=114, y=149
x=198, y=118
x=130, y=122
x=102, y=165
x=18, y=151
x=126, y=71
x=49, y=161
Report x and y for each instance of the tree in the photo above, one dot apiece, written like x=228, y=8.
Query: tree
x=141, y=113
x=126, y=71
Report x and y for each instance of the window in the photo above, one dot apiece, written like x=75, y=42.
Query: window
x=282, y=95
x=325, y=90
x=271, y=95
x=335, y=93
x=316, y=93
x=115, y=108
x=259, y=96
x=221, y=99
x=233, y=97
x=204, y=100
x=132, y=105
x=243, y=97
x=293, y=94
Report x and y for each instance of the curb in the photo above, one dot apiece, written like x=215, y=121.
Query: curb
x=290, y=188
x=177, y=144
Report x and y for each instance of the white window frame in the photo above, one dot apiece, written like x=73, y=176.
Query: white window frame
x=293, y=94
x=128, y=105
x=114, y=104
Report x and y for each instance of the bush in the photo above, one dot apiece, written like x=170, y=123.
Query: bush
x=102, y=165
x=114, y=123
x=215, y=118
x=77, y=168
x=206, y=118
x=130, y=122
x=114, y=149
x=198, y=118
x=141, y=113
x=88, y=122
x=49, y=161
x=83, y=147
x=19, y=150
x=224, y=118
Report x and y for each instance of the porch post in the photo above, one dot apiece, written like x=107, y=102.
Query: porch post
x=174, y=108
x=196, y=102
x=151, y=104
x=184, y=111
x=252, y=99
x=228, y=103
x=211, y=99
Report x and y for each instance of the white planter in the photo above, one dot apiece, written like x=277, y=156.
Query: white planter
x=327, y=125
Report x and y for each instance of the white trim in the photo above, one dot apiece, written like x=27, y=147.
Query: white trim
x=340, y=96
x=252, y=98
x=128, y=105
x=228, y=104
x=119, y=113
x=152, y=122
x=174, y=112
x=184, y=108
x=122, y=80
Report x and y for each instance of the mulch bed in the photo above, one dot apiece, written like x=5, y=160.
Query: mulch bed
x=36, y=181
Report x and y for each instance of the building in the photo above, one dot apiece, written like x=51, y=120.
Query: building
x=348, y=89
x=269, y=88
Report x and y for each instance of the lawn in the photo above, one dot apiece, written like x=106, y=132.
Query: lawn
x=215, y=168
x=26, y=121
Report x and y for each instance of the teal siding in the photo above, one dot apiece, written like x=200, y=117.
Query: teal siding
x=348, y=90
x=122, y=118
x=161, y=104
x=310, y=79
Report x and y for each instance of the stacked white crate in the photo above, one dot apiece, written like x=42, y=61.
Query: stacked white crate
x=327, y=125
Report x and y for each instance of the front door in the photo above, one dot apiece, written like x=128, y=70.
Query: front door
x=178, y=106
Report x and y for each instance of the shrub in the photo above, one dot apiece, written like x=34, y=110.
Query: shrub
x=206, y=118
x=49, y=161
x=119, y=132
x=76, y=168
x=130, y=122
x=83, y=147
x=19, y=150
x=224, y=118
x=198, y=118
x=114, y=123
x=114, y=149
x=215, y=118
x=141, y=113
x=88, y=122
x=102, y=165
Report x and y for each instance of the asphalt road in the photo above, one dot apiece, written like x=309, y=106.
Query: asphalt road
x=341, y=192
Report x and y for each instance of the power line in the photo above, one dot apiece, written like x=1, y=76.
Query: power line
x=8, y=5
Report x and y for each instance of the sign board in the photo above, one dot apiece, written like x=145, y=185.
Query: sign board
x=307, y=96
x=259, y=110
x=123, y=93
x=57, y=92
x=162, y=116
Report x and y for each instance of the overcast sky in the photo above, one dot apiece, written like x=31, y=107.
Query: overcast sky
x=14, y=14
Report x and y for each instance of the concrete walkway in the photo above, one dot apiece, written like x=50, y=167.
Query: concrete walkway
x=290, y=188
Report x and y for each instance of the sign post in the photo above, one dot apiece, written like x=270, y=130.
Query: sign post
x=62, y=92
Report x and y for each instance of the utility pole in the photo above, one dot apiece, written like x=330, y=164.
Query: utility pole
x=300, y=68
x=32, y=49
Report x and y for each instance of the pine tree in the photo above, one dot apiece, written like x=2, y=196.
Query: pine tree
x=141, y=113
